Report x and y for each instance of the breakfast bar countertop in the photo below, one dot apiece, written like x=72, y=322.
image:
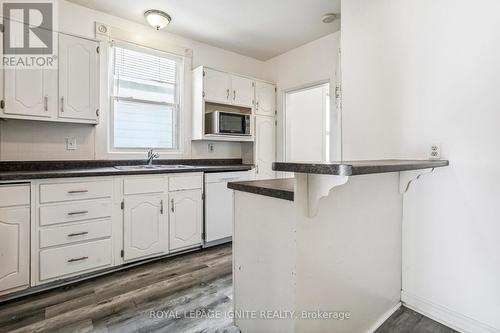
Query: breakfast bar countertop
x=282, y=188
x=354, y=168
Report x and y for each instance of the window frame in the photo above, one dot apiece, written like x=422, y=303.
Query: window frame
x=178, y=107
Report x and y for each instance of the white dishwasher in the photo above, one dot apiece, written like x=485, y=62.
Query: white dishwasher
x=219, y=205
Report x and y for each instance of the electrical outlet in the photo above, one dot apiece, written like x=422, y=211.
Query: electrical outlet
x=71, y=143
x=435, y=152
x=211, y=147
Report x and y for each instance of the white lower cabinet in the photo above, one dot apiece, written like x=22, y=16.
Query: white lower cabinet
x=14, y=248
x=185, y=219
x=85, y=225
x=73, y=229
x=144, y=226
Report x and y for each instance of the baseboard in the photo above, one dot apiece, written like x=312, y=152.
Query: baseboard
x=445, y=316
x=384, y=317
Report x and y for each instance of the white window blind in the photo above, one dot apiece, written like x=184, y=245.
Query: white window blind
x=145, y=99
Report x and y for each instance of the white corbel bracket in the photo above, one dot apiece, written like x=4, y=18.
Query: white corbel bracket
x=406, y=178
x=311, y=188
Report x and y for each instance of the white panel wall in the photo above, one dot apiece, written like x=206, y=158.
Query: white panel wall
x=18, y=139
x=422, y=72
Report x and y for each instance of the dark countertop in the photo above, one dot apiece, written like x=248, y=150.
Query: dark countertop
x=353, y=168
x=25, y=170
x=276, y=188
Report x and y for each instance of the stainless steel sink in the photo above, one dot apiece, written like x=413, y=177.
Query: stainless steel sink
x=152, y=167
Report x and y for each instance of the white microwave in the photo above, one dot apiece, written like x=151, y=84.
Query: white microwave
x=227, y=123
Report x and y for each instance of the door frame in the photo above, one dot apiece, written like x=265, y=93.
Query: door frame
x=299, y=88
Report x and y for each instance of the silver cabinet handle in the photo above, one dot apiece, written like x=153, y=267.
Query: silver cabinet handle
x=172, y=205
x=77, y=259
x=62, y=104
x=46, y=103
x=161, y=207
x=234, y=95
x=78, y=213
x=77, y=191
x=78, y=234
x=227, y=92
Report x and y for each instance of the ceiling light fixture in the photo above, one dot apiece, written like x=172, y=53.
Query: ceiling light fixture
x=157, y=18
x=329, y=18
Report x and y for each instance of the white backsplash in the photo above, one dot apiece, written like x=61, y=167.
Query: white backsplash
x=199, y=149
x=38, y=140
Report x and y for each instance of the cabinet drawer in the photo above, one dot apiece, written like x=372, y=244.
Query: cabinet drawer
x=75, y=233
x=76, y=258
x=185, y=182
x=74, y=212
x=14, y=195
x=75, y=191
x=144, y=185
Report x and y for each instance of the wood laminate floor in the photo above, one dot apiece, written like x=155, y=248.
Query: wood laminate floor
x=132, y=300
x=172, y=295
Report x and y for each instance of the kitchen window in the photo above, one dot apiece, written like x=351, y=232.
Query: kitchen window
x=145, y=99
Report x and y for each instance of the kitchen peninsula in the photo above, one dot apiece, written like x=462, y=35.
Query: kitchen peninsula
x=331, y=247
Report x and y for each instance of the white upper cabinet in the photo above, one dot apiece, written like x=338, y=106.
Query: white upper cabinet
x=265, y=146
x=236, y=93
x=69, y=93
x=242, y=91
x=217, y=86
x=30, y=92
x=185, y=219
x=265, y=99
x=78, y=78
x=144, y=221
x=225, y=88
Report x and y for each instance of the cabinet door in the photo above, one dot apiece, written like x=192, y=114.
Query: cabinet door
x=265, y=95
x=144, y=224
x=217, y=86
x=78, y=78
x=31, y=92
x=185, y=219
x=242, y=91
x=14, y=247
x=265, y=146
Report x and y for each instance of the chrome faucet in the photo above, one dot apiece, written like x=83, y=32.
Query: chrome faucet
x=151, y=156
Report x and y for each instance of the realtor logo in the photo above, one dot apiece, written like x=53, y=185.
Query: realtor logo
x=29, y=36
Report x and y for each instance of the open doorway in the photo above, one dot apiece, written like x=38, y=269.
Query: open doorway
x=307, y=123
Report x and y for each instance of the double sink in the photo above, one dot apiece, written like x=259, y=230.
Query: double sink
x=154, y=167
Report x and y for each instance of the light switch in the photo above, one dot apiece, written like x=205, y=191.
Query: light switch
x=71, y=143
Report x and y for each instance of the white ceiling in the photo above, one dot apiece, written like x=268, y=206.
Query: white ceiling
x=260, y=29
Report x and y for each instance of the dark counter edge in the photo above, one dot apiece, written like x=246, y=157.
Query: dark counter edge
x=275, y=188
x=354, y=168
x=13, y=171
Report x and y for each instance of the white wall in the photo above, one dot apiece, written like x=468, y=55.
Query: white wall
x=422, y=72
x=19, y=140
x=311, y=63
